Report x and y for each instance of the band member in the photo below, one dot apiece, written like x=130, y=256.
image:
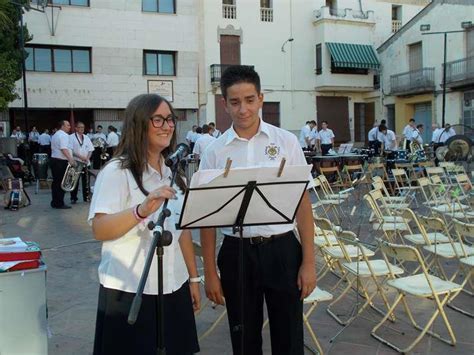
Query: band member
x=203, y=141
x=128, y=193
x=44, y=141
x=189, y=137
x=33, y=140
x=408, y=132
x=60, y=156
x=416, y=135
x=91, y=133
x=374, y=138
x=446, y=133
x=96, y=155
x=388, y=137
x=314, y=136
x=305, y=135
x=277, y=267
x=326, y=138
x=82, y=149
x=112, y=141
x=214, y=131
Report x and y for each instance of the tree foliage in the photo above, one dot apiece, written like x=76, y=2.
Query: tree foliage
x=10, y=51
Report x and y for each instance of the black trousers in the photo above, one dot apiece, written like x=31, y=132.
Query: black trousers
x=271, y=271
x=45, y=149
x=58, y=168
x=325, y=148
x=85, y=187
x=96, y=161
x=407, y=144
x=113, y=334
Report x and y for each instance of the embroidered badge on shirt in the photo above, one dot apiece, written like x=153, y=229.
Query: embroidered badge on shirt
x=272, y=151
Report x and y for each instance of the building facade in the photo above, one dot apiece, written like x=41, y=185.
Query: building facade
x=93, y=57
x=412, y=67
x=316, y=59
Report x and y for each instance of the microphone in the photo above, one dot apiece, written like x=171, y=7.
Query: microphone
x=181, y=151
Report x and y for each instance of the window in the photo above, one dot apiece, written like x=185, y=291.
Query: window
x=63, y=2
x=376, y=81
x=415, y=56
x=159, y=63
x=58, y=59
x=319, y=59
x=266, y=4
x=161, y=6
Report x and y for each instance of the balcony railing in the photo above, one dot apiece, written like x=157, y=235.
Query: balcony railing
x=414, y=81
x=396, y=25
x=344, y=14
x=217, y=70
x=229, y=11
x=266, y=14
x=460, y=72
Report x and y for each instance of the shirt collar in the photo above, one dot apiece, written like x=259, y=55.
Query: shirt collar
x=150, y=172
x=232, y=134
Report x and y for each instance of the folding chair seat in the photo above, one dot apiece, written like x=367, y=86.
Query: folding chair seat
x=358, y=271
x=388, y=196
x=422, y=238
x=404, y=185
x=327, y=188
x=326, y=204
x=421, y=285
x=332, y=174
x=390, y=203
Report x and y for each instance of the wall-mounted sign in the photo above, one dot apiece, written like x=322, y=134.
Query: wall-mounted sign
x=163, y=88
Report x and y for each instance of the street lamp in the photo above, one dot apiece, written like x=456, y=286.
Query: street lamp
x=283, y=45
x=427, y=27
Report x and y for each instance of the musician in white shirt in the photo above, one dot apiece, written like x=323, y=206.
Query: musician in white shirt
x=82, y=149
x=61, y=155
x=416, y=136
x=408, y=132
x=214, y=131
x=189, y=136
x=33, y=137
x=112, y=141
x=446, y=133
x=203, y=141
x=99, y=136
x=44, y=141
x=388, y=137
x=305, y=135
x=326, y=136
x=314, y=136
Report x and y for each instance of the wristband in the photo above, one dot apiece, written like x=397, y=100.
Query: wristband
x=196, y=279
x=137, y=215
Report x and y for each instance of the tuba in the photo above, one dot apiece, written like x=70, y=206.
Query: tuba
x=415, y=147
x=71, y=176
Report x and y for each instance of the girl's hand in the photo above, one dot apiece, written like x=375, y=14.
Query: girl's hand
x=155, y=199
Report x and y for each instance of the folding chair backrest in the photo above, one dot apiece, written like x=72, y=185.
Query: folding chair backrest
x=409, y=216
x=400, y=252
x=345, y=238
x=373, y=206
x=446, y=164
x=463, y=230
x=436, y=179
x=377, y=178
x=325, y=185
x=436, y=170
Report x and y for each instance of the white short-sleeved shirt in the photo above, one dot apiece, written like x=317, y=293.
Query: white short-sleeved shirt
x=123, y=259
x=202, y=143
x=59, y=141
x=304, y=133
x=408, y=132
x=44, y=139
x=112, y=139
x=314, y=136
x=389, y=140
x=195, y=136
x=216, y=133
x=373, y=134
x=33, y=137
x=416, y=136
x=80, y=146
x=326, y=135
x=436, y=135
x=445, y=135
x=265, y=149
x=189, y=135
x=100, y=135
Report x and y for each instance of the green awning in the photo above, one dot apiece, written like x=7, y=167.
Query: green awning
x=345, y=55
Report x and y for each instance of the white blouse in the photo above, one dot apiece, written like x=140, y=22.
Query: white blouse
x=123, y=259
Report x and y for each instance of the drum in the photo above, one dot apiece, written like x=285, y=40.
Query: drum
x=420, y=156
x=192, y=165
x=400, y=155
x=40, y=166
x=352, y=159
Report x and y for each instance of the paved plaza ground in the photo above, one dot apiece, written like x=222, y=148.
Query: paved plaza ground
x=72, y=257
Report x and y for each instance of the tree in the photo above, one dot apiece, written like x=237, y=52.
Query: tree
x=10, y=51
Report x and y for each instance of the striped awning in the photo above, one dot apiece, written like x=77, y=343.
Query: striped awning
x=346, y=55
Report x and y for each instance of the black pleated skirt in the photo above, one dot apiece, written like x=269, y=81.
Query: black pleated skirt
x=113, y=334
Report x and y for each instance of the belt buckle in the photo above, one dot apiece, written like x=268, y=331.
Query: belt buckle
x=257, y=240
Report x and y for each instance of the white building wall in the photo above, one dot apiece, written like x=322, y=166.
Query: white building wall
x=395, y=58
x=117, y=31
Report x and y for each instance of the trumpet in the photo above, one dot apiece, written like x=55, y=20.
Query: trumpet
x=71, y=176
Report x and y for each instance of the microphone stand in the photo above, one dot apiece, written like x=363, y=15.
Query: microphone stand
x=161, y=239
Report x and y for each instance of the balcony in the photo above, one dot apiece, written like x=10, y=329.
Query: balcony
x=216, y=72
x=266, y=14
x=412, y=82
x=328, y=13
x=229, y=11
x=396, y=25
x=460, y=73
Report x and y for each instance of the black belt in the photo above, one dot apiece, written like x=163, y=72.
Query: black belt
x=259, y=240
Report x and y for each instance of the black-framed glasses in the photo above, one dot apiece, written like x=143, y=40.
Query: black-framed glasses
x=158, y=121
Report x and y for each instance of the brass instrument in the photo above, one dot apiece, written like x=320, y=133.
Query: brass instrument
x=415, y=147
x=102, y=144
x=71, y=176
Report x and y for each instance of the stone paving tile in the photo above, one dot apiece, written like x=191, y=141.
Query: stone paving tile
x=72, y=257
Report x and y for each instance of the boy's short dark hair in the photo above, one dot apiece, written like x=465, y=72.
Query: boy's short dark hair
x=236, y=74
x=212, y=124
x=313, y=122
x=205, y=129
x=324, y=122
x=199, y=130
x=419, y=126
x=411, y=120
x=99, y=126
x=383, y=122
x=382, y=128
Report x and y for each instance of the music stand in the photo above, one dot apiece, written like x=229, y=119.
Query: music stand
x=248, y=197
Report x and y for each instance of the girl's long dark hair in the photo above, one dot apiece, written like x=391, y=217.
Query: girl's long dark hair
x=132, y=150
